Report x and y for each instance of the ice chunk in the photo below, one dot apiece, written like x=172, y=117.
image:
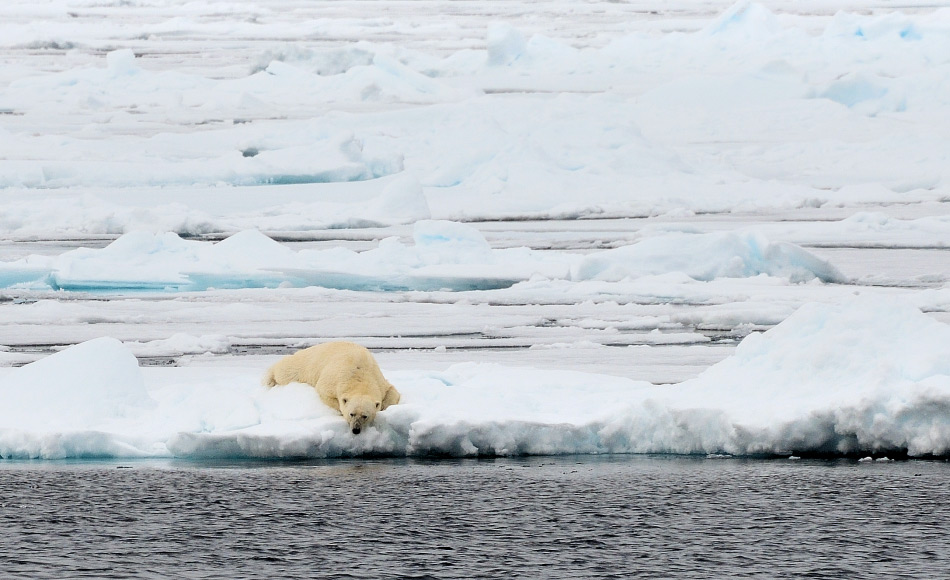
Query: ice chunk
x=505, y=44
x=884, y=27
x=705, y=257
x=868, y=375
x=864, y=94
x=246, y=251
x=744, y=19
x=138, y=260
x=445, y=255
x=442, y=240
x=84, y=386
x=853, y=89
x=122, y=62
x=401, y=201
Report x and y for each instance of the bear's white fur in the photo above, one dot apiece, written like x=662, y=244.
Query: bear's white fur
x=345, y=376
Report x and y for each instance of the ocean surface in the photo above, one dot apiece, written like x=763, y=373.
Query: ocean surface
x=542, y=517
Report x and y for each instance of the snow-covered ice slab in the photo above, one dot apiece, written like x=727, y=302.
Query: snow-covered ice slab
x=865, y=376
x=78, y=212
x=706, y=257
x=445, y=256
x=677, y=112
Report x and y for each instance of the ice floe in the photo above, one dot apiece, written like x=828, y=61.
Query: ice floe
x=749, y=110
x=868, y=376
x=444, y=255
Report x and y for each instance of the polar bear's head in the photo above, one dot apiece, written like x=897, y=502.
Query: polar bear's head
x=359, y=411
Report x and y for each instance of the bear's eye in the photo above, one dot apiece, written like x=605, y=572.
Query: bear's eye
x=344, y=401
x=352, y=414
x=377, y=405
x=364, y=416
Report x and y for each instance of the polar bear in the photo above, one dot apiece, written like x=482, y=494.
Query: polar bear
x=345, y=376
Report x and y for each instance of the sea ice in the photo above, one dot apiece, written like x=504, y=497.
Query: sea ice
x=869, y=376
x=706, y=257
x=445, y=254
x=752, y=110
x=830, y=129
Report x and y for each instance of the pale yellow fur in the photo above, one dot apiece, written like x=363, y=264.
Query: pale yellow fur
x=344, y=374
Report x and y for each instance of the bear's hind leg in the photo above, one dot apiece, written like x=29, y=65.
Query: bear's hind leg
x=391, y=398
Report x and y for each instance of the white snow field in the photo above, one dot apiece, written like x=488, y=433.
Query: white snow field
x=563, y=227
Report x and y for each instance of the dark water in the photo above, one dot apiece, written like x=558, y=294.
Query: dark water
x=572, y=517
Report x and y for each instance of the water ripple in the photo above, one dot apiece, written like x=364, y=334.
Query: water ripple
x=512, y=518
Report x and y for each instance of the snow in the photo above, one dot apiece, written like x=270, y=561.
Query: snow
x=752, y=110
x=867, y=376
x=706, y=257
x=644, y=227
x=444, y=255
x=825, y=379
x=67, y=404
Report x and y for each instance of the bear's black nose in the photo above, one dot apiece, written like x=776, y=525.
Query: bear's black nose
x=356, y=430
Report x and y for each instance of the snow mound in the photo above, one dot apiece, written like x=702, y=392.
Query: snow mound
x=868, y=376
x=66, y=405
x=146, y=261
x=444, y=256
x=705, y=257
x=505, y=44
x=744, y=20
